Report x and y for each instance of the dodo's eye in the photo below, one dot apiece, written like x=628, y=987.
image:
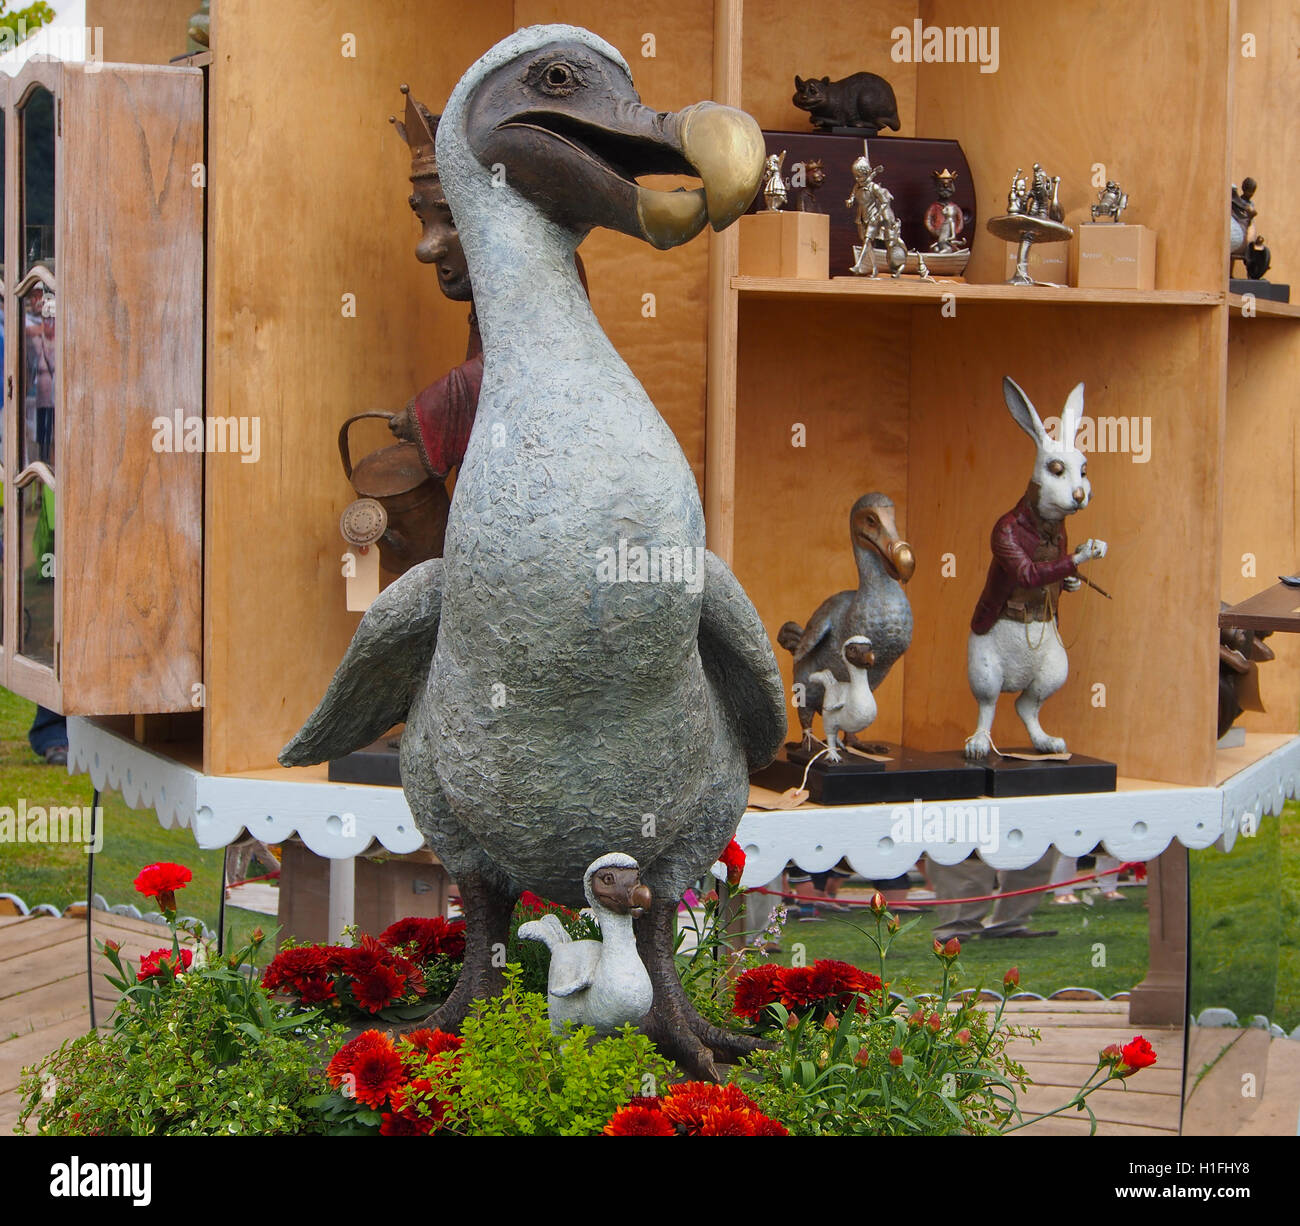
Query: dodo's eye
x=1056, y=468
x=559, y=76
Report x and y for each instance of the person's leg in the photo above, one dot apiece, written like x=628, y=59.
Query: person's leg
x=968, y=879
x=1011, y=915
x=48, y=735
x=1067, y=868
x=1109, y=885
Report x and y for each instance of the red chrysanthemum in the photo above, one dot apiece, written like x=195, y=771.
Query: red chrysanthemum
x=765, y=1126
x=418, y=1105
x=686, y=1104
x=638, y=1121
x=733, y=856
x=727, y=1122
x=394, y=1125
x=795, y=984
x=1136, y=1054
x=831, y=978
x=161, y=963
x=350, y=1052
x=161, y=881
x=377, y=988
x=429, y=937
x=755, y=990
x=433, y=1042
x=376, y=1073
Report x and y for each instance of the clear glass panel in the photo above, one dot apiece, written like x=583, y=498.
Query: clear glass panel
x=38, y=179
x=36, y=378
x=36, y=572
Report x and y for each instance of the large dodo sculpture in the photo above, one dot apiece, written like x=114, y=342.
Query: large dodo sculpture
x=554, y=714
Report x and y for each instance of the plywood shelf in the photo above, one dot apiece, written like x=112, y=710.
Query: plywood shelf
x=1264, y=308
x=914, y=292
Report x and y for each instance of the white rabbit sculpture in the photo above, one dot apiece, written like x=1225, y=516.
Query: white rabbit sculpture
x=1014, y=645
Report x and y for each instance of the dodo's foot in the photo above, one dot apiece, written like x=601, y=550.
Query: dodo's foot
x=673, y=1024
x=487, y=927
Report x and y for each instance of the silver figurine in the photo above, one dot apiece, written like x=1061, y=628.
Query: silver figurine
x=1111, y=202
x=775, y=193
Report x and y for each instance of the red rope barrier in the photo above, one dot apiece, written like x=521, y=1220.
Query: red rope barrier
x=907, y=904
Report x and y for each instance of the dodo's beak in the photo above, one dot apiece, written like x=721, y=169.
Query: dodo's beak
x=899, y=554
x=640, y=898
x=724, y=147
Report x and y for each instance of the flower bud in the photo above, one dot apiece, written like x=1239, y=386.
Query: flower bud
x=862, y=1058
x=896, y=1057
x=963, y=1037
x=792, y=1022
x=894, y=923
x=916, y=1019
x=1012, y=978
x=831, y=1023
x=258, y=936
x=935, y=1023
x=877, y=903
x=951, y=948
x=938, y=948
x=1110, y=1055
x=111, y=947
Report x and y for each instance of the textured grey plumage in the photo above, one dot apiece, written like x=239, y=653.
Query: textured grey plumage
x=564, y=715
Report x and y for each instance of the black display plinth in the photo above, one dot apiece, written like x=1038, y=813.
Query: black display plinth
x=1047, y=777
x=911, y=774
x=376, y=764
x=1273, y=291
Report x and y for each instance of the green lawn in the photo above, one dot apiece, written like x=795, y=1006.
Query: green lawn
x=56, y=873
x=1046, y=964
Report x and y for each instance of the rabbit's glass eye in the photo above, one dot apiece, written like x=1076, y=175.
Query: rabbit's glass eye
x=1083, y=471
x=1056, y=468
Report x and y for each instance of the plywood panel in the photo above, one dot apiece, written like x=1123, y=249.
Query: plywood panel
x=843, y=375
x=1153, y=645
x=130, y=276
x=1265, y=138
x=140, y=31
x=1261, y=505
x=667, y=351
x=307, y=199
x=1149, y=100
x=833, y=38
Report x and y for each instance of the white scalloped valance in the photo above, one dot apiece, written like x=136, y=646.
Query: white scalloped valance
x=339, y=820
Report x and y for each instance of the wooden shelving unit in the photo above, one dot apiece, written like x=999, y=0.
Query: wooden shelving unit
x=910, y=290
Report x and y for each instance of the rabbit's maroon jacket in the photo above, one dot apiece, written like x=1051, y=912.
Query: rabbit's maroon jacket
x=1016, y=536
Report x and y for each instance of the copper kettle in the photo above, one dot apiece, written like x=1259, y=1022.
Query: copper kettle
x=416, y=503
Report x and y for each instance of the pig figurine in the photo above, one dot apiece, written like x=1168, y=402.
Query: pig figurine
x=863, y=101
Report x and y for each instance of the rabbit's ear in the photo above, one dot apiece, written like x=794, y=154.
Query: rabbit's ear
x=1072, y=416
x=1026, y=417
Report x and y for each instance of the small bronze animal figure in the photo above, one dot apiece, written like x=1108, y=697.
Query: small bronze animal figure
x=862, y=100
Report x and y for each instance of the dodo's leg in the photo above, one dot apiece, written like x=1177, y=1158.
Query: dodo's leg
x=487, y=927
x=673, y=1023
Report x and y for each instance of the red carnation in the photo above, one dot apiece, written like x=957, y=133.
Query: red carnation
x=755, y=990
x=733, y=856
x=1137, y=1054
x=638, y=1121
x=161, y=963
x=161, y=881
x=531, y=901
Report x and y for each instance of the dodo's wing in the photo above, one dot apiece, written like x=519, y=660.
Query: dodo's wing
x=388, y=658
x=573, y=967
x=739, y=664
x=835, y=691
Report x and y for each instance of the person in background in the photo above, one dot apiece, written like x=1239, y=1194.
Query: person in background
x=48, y=737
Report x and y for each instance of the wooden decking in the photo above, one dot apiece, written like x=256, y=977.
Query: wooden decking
x=1073, y=1032
x=43, y=987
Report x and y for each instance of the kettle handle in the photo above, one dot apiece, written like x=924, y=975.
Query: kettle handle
x=344, y=454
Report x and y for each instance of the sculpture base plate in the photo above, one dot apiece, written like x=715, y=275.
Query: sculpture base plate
x=1047, y=777
x=376, y=764
x=912, y=774
x=1273, y=291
